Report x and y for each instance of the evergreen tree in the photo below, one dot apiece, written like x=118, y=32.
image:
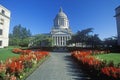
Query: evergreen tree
x=20, y=36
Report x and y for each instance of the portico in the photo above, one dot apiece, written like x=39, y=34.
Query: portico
x=61, y=31
x=60, y=40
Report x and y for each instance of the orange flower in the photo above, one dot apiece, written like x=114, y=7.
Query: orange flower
x=111, y=71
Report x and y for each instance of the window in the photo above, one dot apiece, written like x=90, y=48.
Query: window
x=1, y=31
x=1, y=21
x=0, y=43
x=3, y=12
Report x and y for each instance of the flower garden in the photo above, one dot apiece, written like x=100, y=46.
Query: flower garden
x=97, y=68
x=92, y=62
x=18, y=68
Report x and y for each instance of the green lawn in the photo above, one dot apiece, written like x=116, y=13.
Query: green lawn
x=6, y=53
x=115, y=57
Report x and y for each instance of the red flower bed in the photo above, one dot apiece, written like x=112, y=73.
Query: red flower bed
x=111, y=72
x=17, y=50
x=97, y=67
x=25, y=52
x=14, y=67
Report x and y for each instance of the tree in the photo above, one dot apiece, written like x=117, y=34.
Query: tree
x=20, y=36
x=96, y=42
x=81, y=36
x=41, y=40
x=110, y=42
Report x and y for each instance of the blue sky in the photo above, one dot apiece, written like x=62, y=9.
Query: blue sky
x=38, y=15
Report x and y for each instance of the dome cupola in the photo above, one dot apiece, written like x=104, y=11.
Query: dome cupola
x=61, y=20
x=61, y=14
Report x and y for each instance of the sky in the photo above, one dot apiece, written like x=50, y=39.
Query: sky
x=38, y=15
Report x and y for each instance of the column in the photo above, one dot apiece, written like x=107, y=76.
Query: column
x=62, y=40
x=56, y=40
x=65, y=40
x=59, y=40
x=53, y=40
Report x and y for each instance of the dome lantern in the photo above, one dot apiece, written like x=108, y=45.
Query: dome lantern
x=60, y=9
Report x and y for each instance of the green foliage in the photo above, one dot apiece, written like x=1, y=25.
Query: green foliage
x=41, y=41
x=6, y=53
x=110, y=42
x=20, y=36
x=81, y=36
x=110, y=57
x=24, y=42
x=85, y=38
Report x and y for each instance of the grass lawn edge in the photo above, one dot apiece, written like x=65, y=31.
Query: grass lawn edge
x=109, y=57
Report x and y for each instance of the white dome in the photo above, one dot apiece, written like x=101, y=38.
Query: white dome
x=61, y=14
x=61, y=20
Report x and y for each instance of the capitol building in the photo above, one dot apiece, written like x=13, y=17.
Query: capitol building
x=59, y=34
x=61, y=31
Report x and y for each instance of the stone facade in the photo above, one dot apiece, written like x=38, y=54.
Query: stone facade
x=61, y=31
x=4, y=26
x=117, y=10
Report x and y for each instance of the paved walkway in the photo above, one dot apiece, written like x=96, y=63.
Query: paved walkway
x=59, y=66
